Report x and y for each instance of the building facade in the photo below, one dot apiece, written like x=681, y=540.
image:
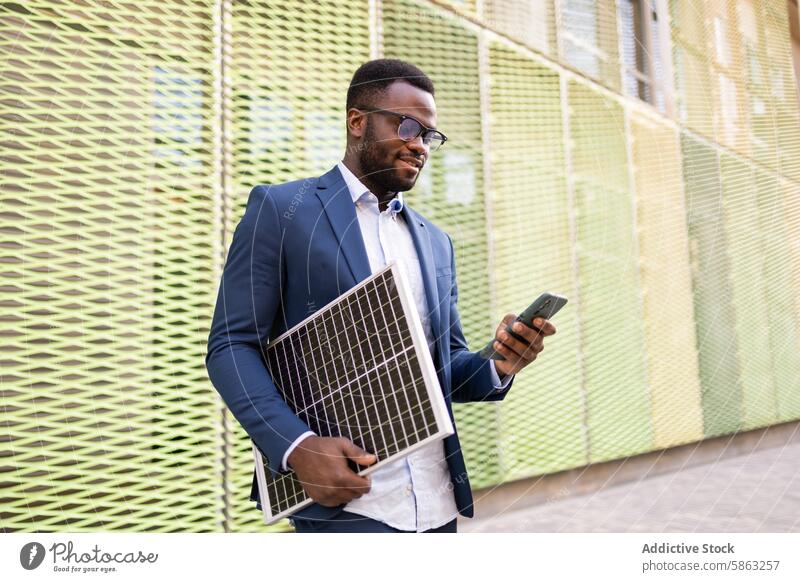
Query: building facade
x=641, y=157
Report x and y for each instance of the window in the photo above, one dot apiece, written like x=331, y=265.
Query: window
x=580, y=36
x=642, y=58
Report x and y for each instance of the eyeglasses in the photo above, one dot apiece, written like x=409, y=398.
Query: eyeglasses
x=410, y=129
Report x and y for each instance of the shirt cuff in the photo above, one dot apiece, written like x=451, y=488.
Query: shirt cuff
x=292, y=447
x=496, y=378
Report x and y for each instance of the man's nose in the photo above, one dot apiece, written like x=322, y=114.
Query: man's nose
x=417, y=146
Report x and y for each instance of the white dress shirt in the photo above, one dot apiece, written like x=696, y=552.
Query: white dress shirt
x=413, y=493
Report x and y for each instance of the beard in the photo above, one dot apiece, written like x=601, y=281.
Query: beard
x=383, y=177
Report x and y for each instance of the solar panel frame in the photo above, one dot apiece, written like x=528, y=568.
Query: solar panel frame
x=287, y=487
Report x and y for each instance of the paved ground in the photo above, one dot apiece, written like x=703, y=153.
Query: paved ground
x=757, y=492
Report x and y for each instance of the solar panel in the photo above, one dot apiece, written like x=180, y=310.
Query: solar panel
x=360, y=368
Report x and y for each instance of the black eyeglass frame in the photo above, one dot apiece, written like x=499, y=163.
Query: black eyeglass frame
x=424, y=130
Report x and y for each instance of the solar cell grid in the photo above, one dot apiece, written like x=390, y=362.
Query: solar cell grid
x=359, y=368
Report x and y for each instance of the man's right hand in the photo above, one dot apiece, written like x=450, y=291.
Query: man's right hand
x=321, y=466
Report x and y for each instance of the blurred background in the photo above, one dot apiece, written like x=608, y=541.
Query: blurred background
x=641, y=157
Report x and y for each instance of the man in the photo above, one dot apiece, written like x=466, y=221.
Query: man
x=302, y=244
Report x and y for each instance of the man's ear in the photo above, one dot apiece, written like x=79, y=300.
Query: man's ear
x=356, y=120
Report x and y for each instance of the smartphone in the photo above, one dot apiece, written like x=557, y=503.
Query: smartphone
x=545, y=306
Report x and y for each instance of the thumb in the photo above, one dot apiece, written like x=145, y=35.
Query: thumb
x=355, y=453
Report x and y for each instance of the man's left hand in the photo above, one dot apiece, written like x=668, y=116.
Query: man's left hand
x=519, y=354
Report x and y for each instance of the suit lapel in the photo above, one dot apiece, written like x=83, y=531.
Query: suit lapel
x=341, y=213
x=422, y=243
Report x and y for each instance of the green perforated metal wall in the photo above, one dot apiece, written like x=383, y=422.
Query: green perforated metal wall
x=109, y=256
x=133, y=132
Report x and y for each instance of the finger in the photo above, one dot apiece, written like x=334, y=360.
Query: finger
x=508, y=319
x=530, y=334
x=355, y=483
x=511, y=349
x=544, y=325
x=517, y=362
x=516, y=346
x=521, y=349
x=528, y=354
x=509, y=354
x=355, y=453
x=363, y=488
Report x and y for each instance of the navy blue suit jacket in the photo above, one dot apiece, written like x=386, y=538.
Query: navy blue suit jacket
x=297, y=248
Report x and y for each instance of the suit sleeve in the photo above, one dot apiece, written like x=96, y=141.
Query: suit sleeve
x=247, y=303
x=471, y=375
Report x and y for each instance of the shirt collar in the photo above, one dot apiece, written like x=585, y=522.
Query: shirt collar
x=357, y=189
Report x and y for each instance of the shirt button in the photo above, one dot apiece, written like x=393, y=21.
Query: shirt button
x=408, y=490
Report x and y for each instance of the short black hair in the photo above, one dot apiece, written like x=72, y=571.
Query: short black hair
x=373, y=77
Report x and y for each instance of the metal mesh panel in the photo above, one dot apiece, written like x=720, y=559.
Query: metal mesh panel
x=783, y=87
x=287, y=122
x=728, y=77
x=530, y=22
x=677, y=415
x=788, y=395
x=761, y=109
x=734, y=77
x=779, y=216
x=450, y=191
x=717, y=346
x=134, y=132
x=618, y=410
x=108, y=268
x=693, y=83
x=468, y=7
x=542, y=417
x=587, y=38
x=748, y=285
